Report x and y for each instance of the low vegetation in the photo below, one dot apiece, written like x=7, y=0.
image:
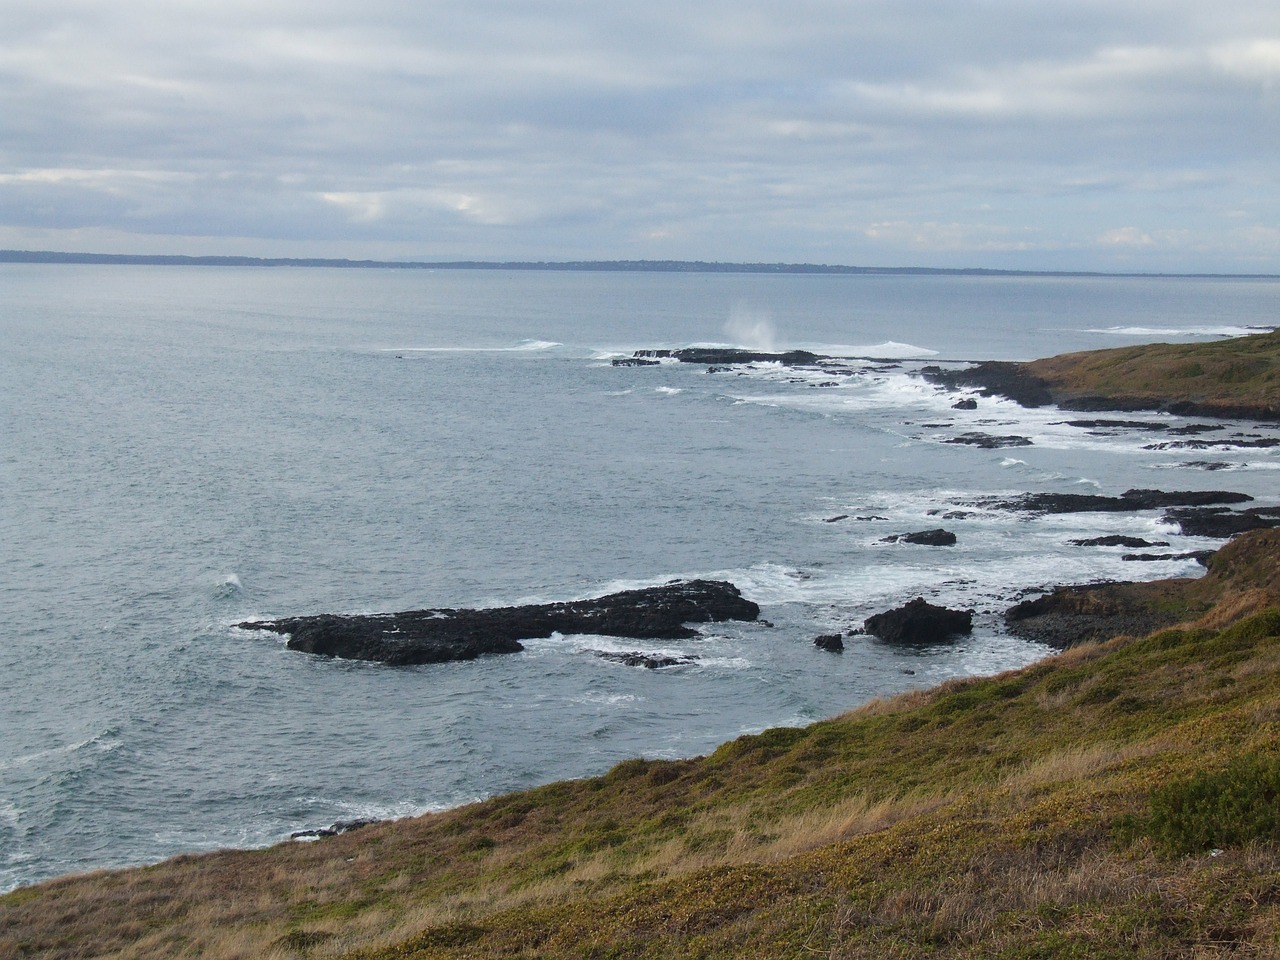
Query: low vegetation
x=1120, y=799
x=1239, y=376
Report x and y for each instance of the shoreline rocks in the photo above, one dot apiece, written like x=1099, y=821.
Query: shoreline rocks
x=443, y=635
x=1072, y=615
x=925, y=538
x=650, y=661
x=1129, y=501
x=920, y=623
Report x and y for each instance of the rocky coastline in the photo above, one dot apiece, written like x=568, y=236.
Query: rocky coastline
x=442, y=635
x=1231, y=379
x=1066, y=615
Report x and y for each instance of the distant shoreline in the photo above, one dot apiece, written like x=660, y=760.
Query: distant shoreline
x=595, y=266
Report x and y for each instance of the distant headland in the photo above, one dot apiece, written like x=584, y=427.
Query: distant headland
x=596, y=266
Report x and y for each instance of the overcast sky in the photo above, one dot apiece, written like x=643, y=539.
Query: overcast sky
x=1059, y=134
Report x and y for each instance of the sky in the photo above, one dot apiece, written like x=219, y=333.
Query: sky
x=1058, y=135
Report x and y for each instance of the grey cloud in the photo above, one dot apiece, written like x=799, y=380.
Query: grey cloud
x=752, y=130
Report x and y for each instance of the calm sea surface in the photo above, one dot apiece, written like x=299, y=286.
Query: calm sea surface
x=183, y=449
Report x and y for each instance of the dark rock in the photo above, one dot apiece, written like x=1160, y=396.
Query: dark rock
x=829, y=383
x=920, y=623
x=634, y=362
x=1199, y=556
x=1206, y=465
x=650, y=661
x=342, y=826
x=968, y=403
x=1222, y=523
x=1129, y=501
x=1118, y=541
x=1100, y=404
x=986, y=441
x=730, y=355
x=994, y=378
x=927, y=538
x=1243, y=443
x=439, y=635
x=843, y=516
x=1112, y=424
x=1193, y=428
x=1081, y=614
x=829, y=641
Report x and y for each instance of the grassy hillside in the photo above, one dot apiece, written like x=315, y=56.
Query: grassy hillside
x=1121, y=799
x=1239, y=376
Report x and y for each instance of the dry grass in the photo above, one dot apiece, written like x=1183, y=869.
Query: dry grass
x=1227, y=376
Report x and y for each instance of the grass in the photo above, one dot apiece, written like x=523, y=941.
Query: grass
x=1239, y=375
x=1070, y=809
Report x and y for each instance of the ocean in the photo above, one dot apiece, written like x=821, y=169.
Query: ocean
x=184, y=449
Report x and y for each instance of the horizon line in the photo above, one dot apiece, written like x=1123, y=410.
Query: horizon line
x=618, y=266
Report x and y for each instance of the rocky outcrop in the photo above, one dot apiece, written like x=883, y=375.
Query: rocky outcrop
x=994, y=378
x=1129, y=501
x=1199, y=556
x=987, y=441
x=920, y=623
x=1115, y=540
x=1223, y=523
x=1082, y=614
x=723, y=356
x=926, y=538
x=440, y=635
x=650, y=661
x=831, y=642
x=342, y=826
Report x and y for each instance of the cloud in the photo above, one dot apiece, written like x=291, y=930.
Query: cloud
x=551, y=129
x=1126, y=237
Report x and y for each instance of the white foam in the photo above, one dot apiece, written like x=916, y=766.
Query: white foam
x=668, y=391
x=101, y=742
x=523, y=346
x=1212, y=331
x=888, y=350
x=608, y=699
x=10, y=814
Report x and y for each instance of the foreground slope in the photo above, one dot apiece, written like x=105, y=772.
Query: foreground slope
x=1118, y=800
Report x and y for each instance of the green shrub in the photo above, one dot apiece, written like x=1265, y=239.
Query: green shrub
x=1223, y=808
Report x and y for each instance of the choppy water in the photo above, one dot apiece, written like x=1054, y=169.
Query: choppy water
x=183, y=449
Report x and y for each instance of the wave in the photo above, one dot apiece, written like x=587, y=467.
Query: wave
x=1210, y=331
x=103, y=742
x=523, y=346
x=888, y=350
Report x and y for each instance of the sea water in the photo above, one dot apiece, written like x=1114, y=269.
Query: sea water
x=184, y=449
